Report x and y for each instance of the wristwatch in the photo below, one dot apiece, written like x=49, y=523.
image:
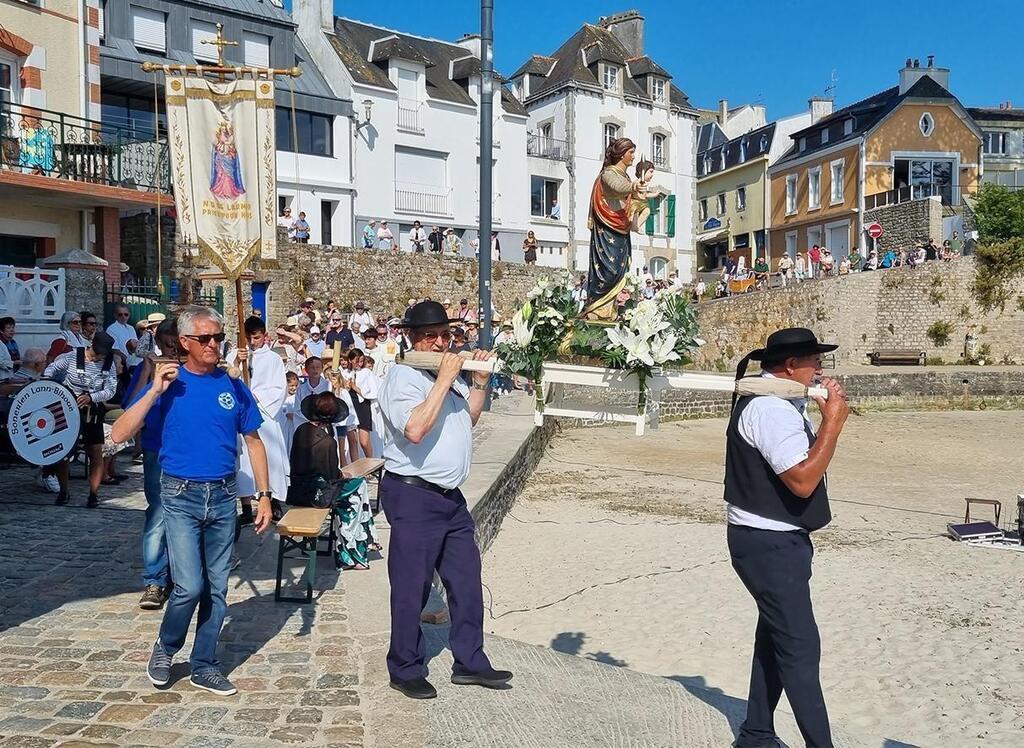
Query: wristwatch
x=264, y=494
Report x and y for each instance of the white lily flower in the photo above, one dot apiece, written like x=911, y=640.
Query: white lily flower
x=637, y=349
x=699, y=342
x=521, y=330
x=662, y=349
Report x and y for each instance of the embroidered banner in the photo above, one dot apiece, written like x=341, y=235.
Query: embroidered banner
x=223, y=166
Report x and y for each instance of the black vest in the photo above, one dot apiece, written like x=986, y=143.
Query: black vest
x=752, y=485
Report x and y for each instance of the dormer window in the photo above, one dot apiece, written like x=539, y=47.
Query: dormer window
x=824, y=135
x=725, y=155
x=610, y=79
x=803, y=144
x=743, y=150
x=927, y=124
x=707, y=164
x=764, y=143
x=658, y=90
x=848, y=127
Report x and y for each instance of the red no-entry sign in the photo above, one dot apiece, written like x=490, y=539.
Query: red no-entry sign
x=875, y=230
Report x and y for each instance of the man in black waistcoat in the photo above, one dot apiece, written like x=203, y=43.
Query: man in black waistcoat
x=776, y=493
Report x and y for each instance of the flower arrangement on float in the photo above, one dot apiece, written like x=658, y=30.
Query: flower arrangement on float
x=650, y=334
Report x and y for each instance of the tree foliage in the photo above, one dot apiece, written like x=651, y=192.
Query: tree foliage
x=999, y=213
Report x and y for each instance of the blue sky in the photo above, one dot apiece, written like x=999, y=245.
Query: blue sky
x=720, y=49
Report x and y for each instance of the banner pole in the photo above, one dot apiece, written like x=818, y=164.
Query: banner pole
x=240, y=313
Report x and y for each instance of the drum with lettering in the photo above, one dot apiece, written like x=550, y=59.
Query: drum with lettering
x=43, y=422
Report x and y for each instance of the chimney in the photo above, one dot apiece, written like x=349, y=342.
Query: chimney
x=723, y=112
x=819, y=107
x=913, y=72
x=472, y=43
x=628, y=28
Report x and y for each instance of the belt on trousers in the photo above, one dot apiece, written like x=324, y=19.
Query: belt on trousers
x=412, y=480
x=217, y=482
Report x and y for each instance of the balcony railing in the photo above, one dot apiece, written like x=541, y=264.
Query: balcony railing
x=38, y=141
x=409, y=119
x=545, y=147
x=660, y=161
x=948, y=193
x=422, y=199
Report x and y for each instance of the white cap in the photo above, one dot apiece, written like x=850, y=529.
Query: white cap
x=314, y=329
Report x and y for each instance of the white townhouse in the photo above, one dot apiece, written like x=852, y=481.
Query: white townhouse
x=598, y=86
x=314, y=172
x=416, y=135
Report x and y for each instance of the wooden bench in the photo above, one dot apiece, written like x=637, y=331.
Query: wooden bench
x=299, y=530
x=364, y=467
x=897, y=357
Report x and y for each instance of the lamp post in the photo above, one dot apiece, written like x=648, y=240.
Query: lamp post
x=486, y=151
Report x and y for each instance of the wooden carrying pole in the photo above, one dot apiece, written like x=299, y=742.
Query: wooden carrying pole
x=240, y=313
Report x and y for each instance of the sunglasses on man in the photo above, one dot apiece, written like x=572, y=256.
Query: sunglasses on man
x=205, y=339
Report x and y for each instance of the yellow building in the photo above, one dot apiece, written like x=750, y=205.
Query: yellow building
x=912, y=141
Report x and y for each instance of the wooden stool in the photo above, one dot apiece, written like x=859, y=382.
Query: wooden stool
x=299, y=530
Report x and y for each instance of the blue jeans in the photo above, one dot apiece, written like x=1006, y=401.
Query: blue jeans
x=154, y=541
x=199, y=519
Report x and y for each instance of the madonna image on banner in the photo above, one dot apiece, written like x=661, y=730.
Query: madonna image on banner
x=223, y=167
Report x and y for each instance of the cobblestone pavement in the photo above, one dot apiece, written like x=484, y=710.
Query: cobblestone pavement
x=74, y=644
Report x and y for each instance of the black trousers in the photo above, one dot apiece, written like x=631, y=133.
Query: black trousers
x=775, y=567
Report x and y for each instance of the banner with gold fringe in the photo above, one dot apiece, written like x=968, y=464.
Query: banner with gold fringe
x=223, y=167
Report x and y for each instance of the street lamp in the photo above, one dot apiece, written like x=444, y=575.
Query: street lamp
x=367, y=109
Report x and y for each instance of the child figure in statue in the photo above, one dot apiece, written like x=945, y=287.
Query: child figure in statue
x=226, y=170
x=639, y=205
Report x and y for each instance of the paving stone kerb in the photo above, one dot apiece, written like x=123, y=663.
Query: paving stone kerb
x=864, y=312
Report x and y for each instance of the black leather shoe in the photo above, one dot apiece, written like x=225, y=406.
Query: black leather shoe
x=417, y=688
x=490, y=678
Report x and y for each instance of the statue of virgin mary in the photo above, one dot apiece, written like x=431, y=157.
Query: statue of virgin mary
x=610, y=245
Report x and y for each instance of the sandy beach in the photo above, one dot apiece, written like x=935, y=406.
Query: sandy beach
x=616, y=551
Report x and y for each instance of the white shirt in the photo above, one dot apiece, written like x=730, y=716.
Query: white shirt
x=445, y=453
x=418, y=236
x=777, y=429
x=122, y=333
x=364, y=318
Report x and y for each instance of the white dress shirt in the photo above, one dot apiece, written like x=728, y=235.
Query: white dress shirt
x=122, y=333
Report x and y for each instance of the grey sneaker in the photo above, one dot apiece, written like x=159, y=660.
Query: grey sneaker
x=159, y=668
x=213, y=682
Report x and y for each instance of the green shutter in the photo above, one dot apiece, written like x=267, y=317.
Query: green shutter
x=670, y=215
x=652, y=204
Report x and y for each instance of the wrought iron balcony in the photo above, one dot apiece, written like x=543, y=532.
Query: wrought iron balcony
x=545, y=147
x=54, y=144
x=409, y=119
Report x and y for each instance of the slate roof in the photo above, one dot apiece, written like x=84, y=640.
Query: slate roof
x=351, y=41
x=646, y=66
x=709, y=135
x=866, y=113
x=576, y=60
x=995, y=114
x=257, y=8
x=733, y=150
x=537, y=65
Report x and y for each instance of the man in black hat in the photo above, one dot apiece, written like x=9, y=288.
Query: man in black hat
x=429, y=418
x=776, y=493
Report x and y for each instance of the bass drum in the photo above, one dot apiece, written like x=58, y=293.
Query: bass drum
x=43, y=422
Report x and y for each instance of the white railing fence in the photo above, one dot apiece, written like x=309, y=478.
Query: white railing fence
x=422, y=199
x=409, y=115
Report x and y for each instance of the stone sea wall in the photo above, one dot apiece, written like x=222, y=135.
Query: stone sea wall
x=867, y=311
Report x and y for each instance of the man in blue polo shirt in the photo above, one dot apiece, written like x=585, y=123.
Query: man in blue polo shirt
x=199, y=411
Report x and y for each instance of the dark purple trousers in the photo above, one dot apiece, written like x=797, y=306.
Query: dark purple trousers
x=432, y=532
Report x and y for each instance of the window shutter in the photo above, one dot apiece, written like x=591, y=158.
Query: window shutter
x=203, y=31
x=670, y=215
x=256, y=50
x=148, y=29
x=652, y=203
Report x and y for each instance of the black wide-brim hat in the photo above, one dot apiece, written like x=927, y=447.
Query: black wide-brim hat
x=427, y=314
x=793, y=341
x=308, y=409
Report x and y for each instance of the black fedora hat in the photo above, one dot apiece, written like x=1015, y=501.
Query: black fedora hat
x=792, y=341
x=308, y=409
x=427, y=314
